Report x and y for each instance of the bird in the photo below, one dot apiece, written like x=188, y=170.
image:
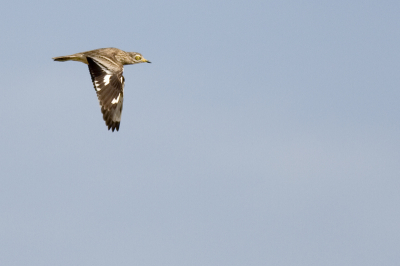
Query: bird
x=106, y=66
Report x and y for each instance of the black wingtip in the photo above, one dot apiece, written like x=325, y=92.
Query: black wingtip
x=114, y=126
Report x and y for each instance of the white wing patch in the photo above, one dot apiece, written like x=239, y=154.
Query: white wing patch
x=115, y=100
x=97, y=85
x=106, y=79
x=117, y=113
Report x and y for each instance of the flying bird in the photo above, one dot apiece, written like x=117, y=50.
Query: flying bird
x=106, y=66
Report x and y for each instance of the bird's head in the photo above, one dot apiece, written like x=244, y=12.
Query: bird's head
x=136, y=58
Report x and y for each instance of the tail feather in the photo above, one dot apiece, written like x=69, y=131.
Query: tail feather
x=74, y=57
x=63, y=58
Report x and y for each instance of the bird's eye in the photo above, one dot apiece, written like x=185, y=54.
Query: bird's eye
x=138, y=57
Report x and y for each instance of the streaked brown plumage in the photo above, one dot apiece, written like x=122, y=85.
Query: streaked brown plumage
x=106, y=69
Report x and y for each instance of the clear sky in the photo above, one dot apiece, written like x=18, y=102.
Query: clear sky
x=263, y=133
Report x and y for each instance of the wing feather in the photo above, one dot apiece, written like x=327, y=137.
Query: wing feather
x=108, y=83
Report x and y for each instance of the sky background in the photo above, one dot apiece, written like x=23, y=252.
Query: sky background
x=263, y=133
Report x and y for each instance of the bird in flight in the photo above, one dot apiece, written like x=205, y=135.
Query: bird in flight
x=106, y=66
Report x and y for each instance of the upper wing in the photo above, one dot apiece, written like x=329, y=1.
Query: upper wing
x=109, y=85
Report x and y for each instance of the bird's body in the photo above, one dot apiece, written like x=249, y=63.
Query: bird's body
x=106, y=69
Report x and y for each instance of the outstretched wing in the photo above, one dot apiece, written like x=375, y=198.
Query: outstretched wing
x=109, y=85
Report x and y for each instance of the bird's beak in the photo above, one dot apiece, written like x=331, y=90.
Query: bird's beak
x=145, y=60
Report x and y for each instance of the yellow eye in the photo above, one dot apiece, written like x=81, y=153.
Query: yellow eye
x=138, y=57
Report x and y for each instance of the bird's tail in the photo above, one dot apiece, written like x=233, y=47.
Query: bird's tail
x=75, y=57
x=64, y=58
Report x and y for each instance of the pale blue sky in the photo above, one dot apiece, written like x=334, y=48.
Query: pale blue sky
x=263, y=133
